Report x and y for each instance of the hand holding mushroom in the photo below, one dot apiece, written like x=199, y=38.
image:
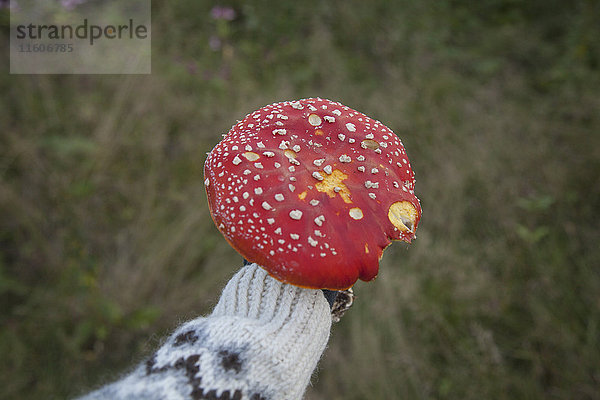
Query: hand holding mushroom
x=310, y=192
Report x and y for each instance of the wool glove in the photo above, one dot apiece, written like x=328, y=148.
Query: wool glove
x=262, y=341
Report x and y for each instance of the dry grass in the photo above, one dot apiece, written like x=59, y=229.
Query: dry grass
x=106, y=243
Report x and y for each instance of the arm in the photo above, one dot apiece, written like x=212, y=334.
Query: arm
x=262, y=341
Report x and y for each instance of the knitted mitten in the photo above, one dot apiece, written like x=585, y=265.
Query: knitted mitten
x=262, y=341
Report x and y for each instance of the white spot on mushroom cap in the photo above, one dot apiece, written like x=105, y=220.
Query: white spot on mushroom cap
x=271, y=221
x=314, y=119
x=266, y=206
x=356, y=213
x=279, y=197
x=295, y=214
x=345, y=158
x=317, y=176
x=319, y=162
x=328, y=170
x=351, y=127
x=236, y=160
x=258, y=190
x=294, y=161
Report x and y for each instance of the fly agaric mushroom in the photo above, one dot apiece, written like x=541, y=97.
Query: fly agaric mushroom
x=312, y=191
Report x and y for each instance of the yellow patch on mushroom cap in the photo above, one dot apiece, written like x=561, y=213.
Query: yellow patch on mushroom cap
x=334, y=181
x=291, y=154
x=402, y=214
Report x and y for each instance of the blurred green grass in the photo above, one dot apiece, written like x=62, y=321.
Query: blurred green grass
x=106, y=243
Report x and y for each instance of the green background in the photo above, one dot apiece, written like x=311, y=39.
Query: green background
x=106, y=243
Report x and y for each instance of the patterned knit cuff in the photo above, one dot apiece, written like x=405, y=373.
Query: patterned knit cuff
x=262, y=342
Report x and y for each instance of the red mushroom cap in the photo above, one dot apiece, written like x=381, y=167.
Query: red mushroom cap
x=312, y=191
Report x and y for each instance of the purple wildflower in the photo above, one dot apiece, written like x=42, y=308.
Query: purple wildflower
x=224, y=13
